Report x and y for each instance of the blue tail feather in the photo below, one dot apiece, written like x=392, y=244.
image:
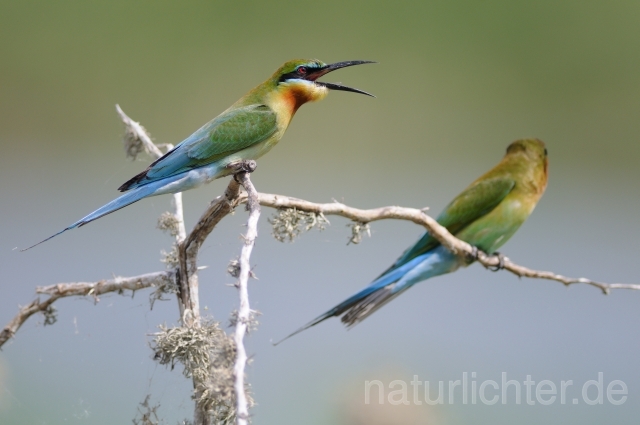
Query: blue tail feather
x=388, y=286
x=378, y=284
x=171, y=184
x=122, y=201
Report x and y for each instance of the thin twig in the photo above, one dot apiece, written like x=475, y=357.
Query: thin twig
x=439, y=232
x=244, y=311
x=25, y=312
x=522, y=271
x=117, y=284
x=62, y=290
x=189, y=248
x=179, y=213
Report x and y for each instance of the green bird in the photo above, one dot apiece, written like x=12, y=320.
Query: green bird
x=245, y=131
x=485, y=215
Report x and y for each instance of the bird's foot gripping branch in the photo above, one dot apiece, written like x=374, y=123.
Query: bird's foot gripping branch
x=245, y=166
x=501, y=260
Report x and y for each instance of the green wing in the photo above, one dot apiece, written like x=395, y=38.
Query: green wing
x=228, y=133
x=476, y=201
x=240, y=129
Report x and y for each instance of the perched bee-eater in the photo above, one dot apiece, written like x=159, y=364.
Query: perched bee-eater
x=245, y=131
x=485, y=215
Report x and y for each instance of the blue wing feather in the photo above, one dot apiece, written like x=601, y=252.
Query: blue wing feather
x=229, y=132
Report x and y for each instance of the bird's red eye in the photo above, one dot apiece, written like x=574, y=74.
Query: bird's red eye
x=302, y=70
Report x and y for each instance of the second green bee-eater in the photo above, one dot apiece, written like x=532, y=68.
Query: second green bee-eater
x=485, y=215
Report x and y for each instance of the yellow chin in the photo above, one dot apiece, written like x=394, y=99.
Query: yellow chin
x=290, y=96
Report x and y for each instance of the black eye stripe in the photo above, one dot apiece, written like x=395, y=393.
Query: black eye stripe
x=288, y=76
x=295, y=75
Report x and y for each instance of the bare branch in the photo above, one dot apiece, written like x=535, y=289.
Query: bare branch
x=25, y=312
x=179, y=213
x=439, y=232
x=188, y=249
x=244, y=311
x=117, y=284
x=536, y=274
x=62, y=290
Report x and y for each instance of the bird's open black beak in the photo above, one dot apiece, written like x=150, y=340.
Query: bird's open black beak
x=332, y=67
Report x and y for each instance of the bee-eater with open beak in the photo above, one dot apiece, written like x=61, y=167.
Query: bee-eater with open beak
x=245, y=131
x=485, y=215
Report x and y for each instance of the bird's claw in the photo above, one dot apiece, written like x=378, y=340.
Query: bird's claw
x=244, y=166
x=500, y=265
x=474, y=253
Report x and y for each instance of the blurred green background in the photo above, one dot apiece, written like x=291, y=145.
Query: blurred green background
x=456, y=83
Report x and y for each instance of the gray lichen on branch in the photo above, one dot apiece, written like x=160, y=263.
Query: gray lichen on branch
x=207, y=355
x=289, y=223
x=358, y=230
x=136, y=139
x=252, y=322
x=168, y=222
